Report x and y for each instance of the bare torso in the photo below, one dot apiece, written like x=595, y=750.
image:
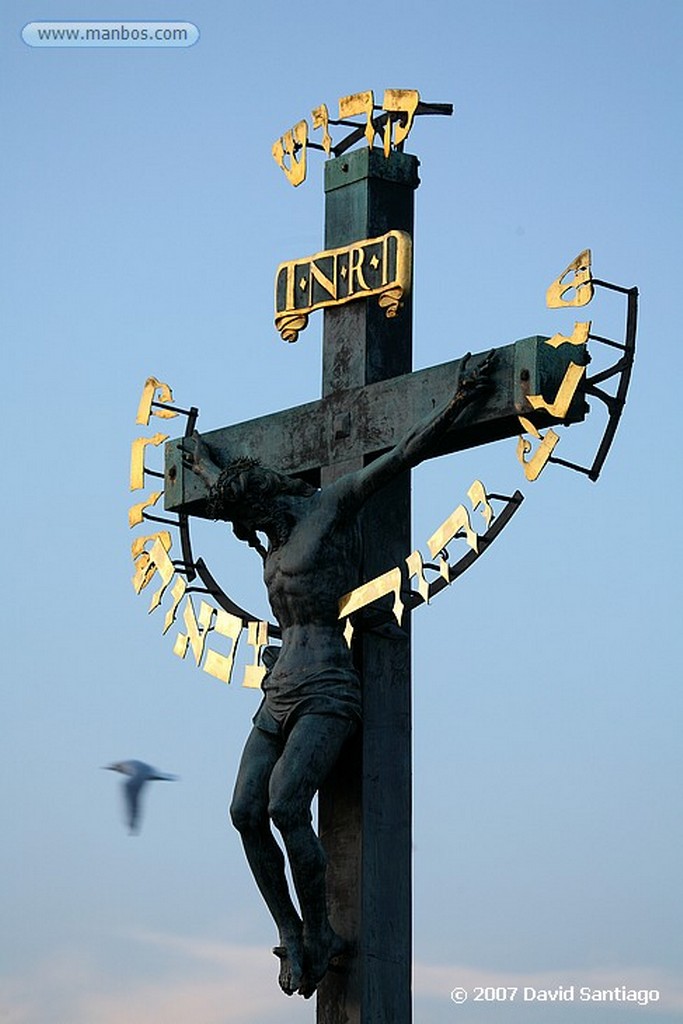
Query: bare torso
x=305, y=575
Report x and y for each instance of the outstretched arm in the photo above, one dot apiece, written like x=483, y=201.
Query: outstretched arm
x=420, y=441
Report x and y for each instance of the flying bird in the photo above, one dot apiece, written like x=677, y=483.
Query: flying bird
x=138, y=774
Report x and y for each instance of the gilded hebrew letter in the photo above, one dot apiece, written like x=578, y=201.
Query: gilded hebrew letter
x=402, y=101
x=477, y=495
x=457, y=521
x=178, y=593
x=321, y=119
x=144, y=567
x=197, y=630
x=563, y=399
x=287, y=147
x=137, y=459
x=416, y=568
x=135, y=516
x=533, y=467
x=579, y=336
x=581, y=282
x=388, y=583
x=164, y=566
x=360, y=103
x=257, y=637
x=145, y=407
x=221, y=665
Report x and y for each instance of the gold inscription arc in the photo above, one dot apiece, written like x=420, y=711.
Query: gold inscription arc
x=152, y=560
x=456, y=526
x=156, y=562
x=577, y=278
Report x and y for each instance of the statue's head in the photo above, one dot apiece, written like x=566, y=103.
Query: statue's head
x=250, y=495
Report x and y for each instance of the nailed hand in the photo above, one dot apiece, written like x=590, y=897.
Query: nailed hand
x=471, y=384
x=477, y=379
x=194, y=451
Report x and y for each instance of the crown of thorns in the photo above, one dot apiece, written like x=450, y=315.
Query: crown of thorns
x=238, y=465
x=227, y=474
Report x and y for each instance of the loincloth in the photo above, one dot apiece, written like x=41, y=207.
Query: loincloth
x=335, y=692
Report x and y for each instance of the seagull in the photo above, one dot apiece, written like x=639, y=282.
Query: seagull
x=138, y=774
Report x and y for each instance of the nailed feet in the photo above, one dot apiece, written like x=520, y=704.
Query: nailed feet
x=303, y=967
x=319, y=952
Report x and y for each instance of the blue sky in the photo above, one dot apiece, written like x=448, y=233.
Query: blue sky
x=143, y=220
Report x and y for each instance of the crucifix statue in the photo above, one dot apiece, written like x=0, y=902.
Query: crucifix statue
x=322, y=493
x=312, y=691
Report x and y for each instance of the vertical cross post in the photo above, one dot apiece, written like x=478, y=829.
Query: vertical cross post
x=365, y=807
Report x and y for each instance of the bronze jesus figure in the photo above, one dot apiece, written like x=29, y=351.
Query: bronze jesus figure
x=312, y=693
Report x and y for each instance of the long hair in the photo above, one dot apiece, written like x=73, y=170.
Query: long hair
x=222, y=496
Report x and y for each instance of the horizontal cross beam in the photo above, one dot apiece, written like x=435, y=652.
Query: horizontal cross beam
x=370, y=419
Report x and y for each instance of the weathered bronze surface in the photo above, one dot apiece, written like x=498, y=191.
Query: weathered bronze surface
x=367, y=420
